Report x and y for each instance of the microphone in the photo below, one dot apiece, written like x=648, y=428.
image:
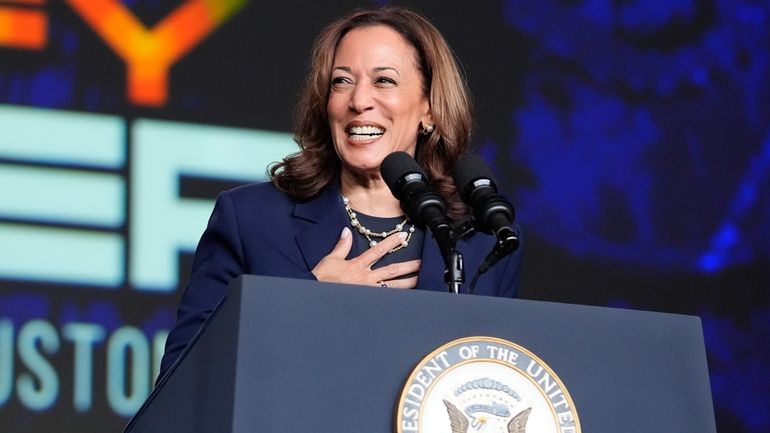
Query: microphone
x=409, y=184
x=492, y=213
x=424, y=206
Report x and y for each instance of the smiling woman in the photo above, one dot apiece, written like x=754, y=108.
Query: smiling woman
x=421, y=47
x=381, y=81
x=376, y=103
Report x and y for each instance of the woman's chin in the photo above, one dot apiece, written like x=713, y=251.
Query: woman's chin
x=367, y=168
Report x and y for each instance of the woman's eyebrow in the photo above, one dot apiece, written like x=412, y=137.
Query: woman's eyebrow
x=376, y=69
x=386, y=68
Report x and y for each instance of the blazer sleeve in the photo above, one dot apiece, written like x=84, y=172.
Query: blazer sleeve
x=218, y=260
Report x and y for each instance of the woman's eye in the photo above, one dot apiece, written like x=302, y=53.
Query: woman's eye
x=338, y=81
x=385, y=80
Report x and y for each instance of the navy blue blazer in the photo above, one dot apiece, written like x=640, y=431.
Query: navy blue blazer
x=256, y=229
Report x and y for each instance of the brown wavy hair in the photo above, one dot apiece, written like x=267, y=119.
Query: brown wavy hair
x=302, y=175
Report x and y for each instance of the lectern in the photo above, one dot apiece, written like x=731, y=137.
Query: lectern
x=283, y=355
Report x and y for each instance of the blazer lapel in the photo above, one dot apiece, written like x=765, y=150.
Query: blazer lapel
x=328, y=216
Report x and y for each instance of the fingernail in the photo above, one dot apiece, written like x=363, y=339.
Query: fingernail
x=402, y=235
x=345, y=233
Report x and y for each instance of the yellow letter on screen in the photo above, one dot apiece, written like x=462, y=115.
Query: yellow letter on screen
x=149, y=54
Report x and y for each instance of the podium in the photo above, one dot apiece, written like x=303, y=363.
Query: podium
x=283, y=355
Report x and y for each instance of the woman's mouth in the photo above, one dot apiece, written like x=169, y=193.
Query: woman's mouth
x=364, y=132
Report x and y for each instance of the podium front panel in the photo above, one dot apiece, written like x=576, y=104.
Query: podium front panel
x=299, y=356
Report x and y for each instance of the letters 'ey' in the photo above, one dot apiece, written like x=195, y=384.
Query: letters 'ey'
x=150, y=53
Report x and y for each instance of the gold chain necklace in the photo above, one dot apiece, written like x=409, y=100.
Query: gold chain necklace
x=382, y=235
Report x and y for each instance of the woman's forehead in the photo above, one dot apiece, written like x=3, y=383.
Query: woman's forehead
x=375, y=43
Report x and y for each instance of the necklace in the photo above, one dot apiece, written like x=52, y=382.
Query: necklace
x=381, y=235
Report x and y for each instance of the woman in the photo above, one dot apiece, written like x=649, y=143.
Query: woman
x=380, y=81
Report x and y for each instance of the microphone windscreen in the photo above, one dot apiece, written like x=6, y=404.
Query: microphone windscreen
x=468, y=169
x=397, y=165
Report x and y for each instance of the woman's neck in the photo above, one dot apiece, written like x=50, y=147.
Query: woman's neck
x=370, y=196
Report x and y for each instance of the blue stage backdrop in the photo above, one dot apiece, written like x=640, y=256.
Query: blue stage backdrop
x=633, y=138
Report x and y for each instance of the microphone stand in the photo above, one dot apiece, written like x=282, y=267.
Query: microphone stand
x=454, y=271
x=454, y=274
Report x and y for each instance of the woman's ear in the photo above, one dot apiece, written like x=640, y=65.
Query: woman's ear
x=427, y=118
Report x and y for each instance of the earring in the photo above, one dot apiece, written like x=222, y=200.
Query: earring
x=426, y=129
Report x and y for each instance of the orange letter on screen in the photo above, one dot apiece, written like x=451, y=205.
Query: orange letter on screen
x=22, y=28
x=149, y=54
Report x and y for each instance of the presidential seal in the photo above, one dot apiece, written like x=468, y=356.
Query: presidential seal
x=485, y=384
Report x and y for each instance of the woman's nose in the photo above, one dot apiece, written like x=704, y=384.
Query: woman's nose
x=361, y=98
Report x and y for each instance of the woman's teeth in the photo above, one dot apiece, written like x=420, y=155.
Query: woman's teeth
x=365, y=132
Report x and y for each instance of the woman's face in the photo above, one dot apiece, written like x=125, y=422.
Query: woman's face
x=376, y=102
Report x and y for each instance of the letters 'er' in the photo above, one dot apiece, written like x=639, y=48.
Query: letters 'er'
x=150, y=53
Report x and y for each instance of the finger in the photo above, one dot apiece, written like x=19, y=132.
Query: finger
x=343, y=246
x=402, y=283
x=396, y=270
x=376, y=252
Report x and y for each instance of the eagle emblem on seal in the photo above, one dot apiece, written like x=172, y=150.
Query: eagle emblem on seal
x=461, y=423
